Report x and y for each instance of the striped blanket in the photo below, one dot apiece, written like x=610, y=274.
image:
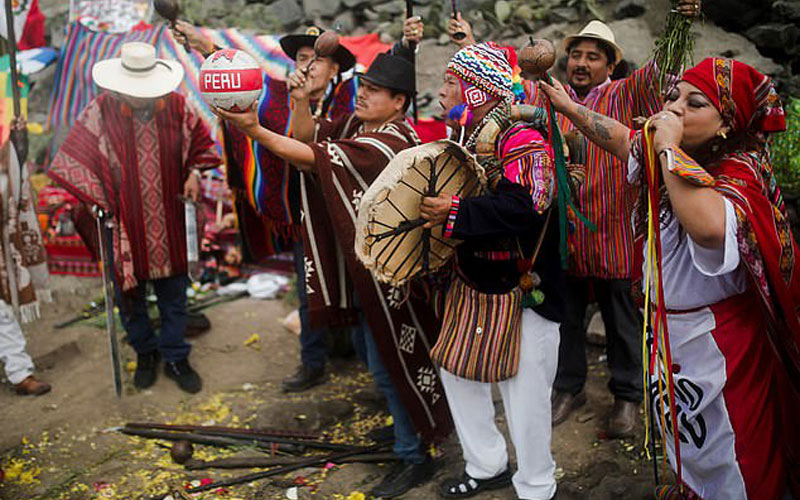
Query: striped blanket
x=74, y=88
x=82, y=48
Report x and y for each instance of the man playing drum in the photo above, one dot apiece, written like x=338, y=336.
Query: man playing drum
x=346, y=155
x=505, y=302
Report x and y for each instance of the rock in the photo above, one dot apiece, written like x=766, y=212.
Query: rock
x=713, y=41
x=393, y=8
x=321, y=8
x=524, y=12
x=774, y=36
x=629, y=8
x=502, y=10
x=737, y=15
x=564, y=15
x=370, y=14
x=635, y=39
x=787, y=10
x=353, y=3
x=288, y=13
x=344, y=22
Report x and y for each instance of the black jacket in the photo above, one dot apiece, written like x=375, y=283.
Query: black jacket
x=505, y=220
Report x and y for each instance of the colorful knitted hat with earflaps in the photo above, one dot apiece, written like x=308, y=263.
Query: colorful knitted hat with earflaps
x=486, y=71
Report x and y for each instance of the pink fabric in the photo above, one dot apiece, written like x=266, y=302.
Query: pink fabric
x=529, y=167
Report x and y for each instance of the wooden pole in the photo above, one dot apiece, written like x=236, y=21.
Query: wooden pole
x=412, y=46
x=12, y=52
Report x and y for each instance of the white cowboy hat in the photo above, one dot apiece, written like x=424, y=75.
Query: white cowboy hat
x=137, y=73
x=596, y=30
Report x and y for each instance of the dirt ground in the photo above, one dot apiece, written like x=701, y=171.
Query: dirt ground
x=61, y=447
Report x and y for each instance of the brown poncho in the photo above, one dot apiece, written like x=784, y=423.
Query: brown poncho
x=347, y=162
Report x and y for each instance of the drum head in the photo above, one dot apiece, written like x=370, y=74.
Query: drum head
x=390, y=239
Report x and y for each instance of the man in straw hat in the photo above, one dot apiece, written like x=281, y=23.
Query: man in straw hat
x=346, y=157
x=134, y=151
x=602, y=260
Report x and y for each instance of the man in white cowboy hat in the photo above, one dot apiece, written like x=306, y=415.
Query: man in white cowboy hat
x=134, y=151
x=601, y=260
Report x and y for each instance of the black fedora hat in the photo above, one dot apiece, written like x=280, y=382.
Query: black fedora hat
x=292, y=43
x=392, y=72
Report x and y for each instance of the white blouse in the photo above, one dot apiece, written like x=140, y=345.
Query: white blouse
x=695, y=276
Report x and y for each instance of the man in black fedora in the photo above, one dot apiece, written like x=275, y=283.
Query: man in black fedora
x=274, y=212
x=346, y=156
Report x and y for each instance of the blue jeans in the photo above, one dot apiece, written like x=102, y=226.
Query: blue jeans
x=313, y=350
x=171, y=300
x=407, y=444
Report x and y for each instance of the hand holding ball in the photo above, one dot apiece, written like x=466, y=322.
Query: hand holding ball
x=231, y=80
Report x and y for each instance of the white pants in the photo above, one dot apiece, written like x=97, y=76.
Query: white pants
x=17, y=362
x=526, y=398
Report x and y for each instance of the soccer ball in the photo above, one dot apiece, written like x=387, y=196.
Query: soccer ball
x=230, y=79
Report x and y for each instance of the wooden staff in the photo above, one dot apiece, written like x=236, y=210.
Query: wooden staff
x=12, y=53
x=413, y=47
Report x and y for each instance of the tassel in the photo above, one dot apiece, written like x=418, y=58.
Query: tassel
x=564, y=193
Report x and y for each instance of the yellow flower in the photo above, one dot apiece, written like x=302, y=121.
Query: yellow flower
x=356, y=495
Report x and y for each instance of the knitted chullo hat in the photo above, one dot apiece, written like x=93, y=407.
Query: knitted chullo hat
x=486, y=72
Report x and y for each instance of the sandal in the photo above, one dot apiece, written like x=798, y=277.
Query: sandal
x=466, y=486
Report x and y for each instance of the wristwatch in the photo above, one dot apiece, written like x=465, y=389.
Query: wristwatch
x=670, y=155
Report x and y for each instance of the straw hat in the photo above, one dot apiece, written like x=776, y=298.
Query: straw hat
x=137, y=73
x=596, y=30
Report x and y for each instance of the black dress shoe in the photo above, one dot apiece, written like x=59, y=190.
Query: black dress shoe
x=467, y=486
x=564, y=403
x=146, y=370
x=403, y=477
x=622, y=420
x=304, y=378
x=183, y=373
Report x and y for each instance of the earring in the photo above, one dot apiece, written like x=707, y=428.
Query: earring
x=721, y=133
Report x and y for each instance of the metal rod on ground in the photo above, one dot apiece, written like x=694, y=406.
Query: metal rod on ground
x=286, y=443
x=334, y=457
x=319, y=445
x=298, y=434
x=257, y=462
x=413, y=47
x=209, y=440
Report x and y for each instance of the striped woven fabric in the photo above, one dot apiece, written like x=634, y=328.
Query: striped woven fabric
x=605, y=197
x=73, y=88
x=480, y=334
x=264, y=48
x=82, y=48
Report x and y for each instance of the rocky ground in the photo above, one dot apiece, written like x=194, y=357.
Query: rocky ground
x=59, y=446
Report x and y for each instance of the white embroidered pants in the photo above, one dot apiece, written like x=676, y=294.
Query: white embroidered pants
x=17, y=362
x=526, y=399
